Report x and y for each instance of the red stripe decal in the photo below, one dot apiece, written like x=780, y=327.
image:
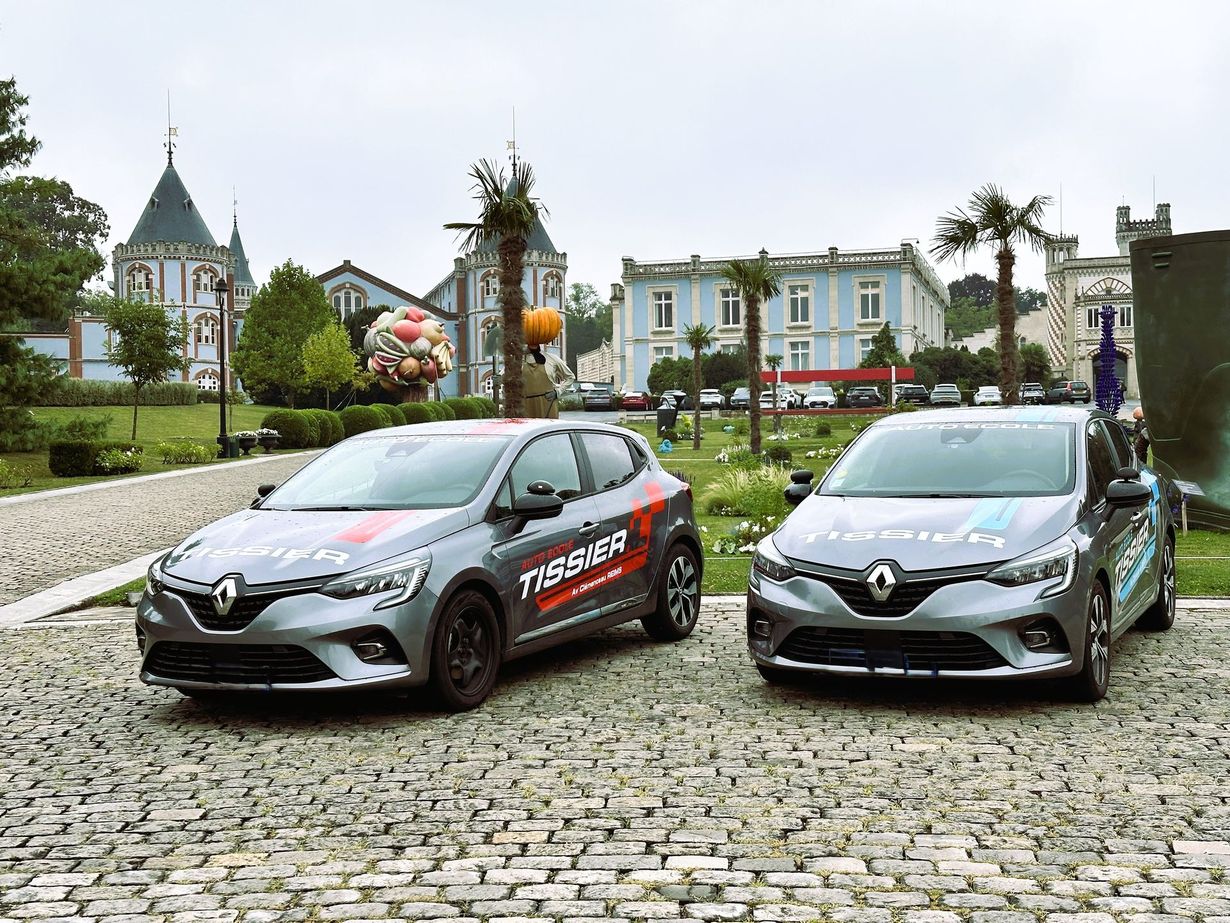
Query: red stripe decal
x=594, y=578
x=372, y=526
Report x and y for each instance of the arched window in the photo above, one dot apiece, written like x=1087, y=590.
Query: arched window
x=203, y=278
x=551, y=285
x=140, y=279
x=207, y=331
x=207, y=381
x=348, y=298
x=491, y=285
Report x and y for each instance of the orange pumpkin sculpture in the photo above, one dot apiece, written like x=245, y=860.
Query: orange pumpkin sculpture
x=542, y=325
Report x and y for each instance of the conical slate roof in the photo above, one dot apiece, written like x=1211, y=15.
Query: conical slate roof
x=171, y=215
x=538, y=239
x=243, y=275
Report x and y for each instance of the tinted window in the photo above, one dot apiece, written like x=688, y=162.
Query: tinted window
x=609, y=458
x=1120, y=446
x=548, y=459
x=1102, y=465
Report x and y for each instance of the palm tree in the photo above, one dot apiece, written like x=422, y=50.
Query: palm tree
x=699, y=337
x=506, y=216
x=994, y=221
x=774, y=362
x=755, y=282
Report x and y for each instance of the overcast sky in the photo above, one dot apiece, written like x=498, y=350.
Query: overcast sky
x=657, y=129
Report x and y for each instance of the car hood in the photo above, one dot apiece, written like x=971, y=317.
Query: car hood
x=921, y=533
x=280, y=546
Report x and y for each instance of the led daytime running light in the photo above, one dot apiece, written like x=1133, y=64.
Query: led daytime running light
x=408, y=576
x=1057, y=562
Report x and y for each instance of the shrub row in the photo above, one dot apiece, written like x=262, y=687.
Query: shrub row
x=185, y=453
x=82, y=392
x=81, y=457
x=305, y=429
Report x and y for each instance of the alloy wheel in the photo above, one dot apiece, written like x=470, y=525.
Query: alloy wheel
x=682, y=591
x=1168, y=580
x=1099, y=639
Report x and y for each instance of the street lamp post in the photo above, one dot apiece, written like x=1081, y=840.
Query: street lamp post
x=220, y=289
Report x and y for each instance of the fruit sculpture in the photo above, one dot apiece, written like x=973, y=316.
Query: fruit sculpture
x=405, y=348
x=542, y=325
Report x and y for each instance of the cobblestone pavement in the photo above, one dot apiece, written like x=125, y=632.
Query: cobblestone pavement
x=618, y=778
x=54, y=538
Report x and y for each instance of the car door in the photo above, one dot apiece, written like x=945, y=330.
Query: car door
x=623, y=501
x=1112, y=526
x=1140, y=551
x=538, y=561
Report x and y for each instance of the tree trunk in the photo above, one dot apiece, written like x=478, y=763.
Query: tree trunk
x=414, y=394
x=136, y=399
x=752, y=323
x=696, y=396
x=777, y=417
x=1006, y=303
x=512, y=301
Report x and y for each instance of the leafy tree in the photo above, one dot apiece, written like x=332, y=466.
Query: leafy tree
x=357, y=323
x=964, y=317
x=724, y=367
x=994, y=221
x=884, y=351
x=934, y=365
x=1029, y=299
x=146, y=343
x=47, y=252
x=671, y=374
x=1035, y=364
x=283, y=314
x=974, y=286
x=756, y=282
x=507, y=215
x=587, y=321
x=700, y=338
x=328, y=361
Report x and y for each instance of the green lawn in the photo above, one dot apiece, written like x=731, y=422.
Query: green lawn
x=198, y=422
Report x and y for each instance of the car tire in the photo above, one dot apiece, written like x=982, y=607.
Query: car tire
x=678, y=597
x=1091, y=683
x=776, y=676
x=1160, y=615
x=465, y=653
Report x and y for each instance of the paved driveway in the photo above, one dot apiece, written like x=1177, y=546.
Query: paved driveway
x=49, y=539
x=619, y=779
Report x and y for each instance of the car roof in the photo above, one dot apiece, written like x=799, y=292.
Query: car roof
x=492, y=427
x=1017, y=414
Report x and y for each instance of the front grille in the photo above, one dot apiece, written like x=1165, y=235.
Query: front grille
x=905, y=598
x=235, y=663
x=912, y=651
x=243, y=611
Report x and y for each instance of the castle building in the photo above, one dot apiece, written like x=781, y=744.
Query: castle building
x=1077, y=287
x=831, y=305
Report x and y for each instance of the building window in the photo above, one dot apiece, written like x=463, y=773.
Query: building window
x=799, y=299
x=730, y=347
x=1092, y=321
x=800, y=356
x=207, y=332
x=208, y=382
x=1125, y=315
x=203, y=281
x=664, y=310
x=550, y=287
x=869, y=296
x=663, y=352
x=491, y=285
x=140, y=279
x=864, y=348
x=347, y=300
x=728, y=298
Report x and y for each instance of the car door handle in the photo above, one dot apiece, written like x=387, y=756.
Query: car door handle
x=589, y=528
x=1137, y=516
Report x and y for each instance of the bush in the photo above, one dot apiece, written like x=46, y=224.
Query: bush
x=383, y=411
x=360, y=419
x=777, y=455
x=14, y=475
x=476, y=404
x=81, y=429
x=748, y=492
x=81, y=457
x=416, y=413
x=313, y=427
x=324, y=426
x=571, y=402
x=185, y=453
x=905, y=407
x=82, y=392
x=396, y=413
x=461, y=408
x=337, y=432
x=489, y=408
x=670, y=433
x=445, y=411
x=743, y=427
x=119, y=461
x=213, y=397
x=823, y=429
x=967, y=397
x=291, y=426
x=737, y=455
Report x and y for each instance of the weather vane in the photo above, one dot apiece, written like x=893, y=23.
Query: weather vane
x=172, y=132
x=512, y=145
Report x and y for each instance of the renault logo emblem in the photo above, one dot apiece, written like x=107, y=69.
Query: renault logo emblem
x=224, y=594
x=880, y=582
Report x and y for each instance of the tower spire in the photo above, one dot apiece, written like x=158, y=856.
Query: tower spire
x=172, y=132
x=234, y=208
x=512, y=145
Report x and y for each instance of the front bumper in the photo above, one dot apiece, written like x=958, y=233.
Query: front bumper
x=969, y=629
x=301, y=641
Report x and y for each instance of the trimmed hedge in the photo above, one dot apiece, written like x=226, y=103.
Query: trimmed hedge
x=337, y=432
x=434, y=409
x=313, y=427
x=360, y=419
x=416, y=413
x=79, y=458
x=461, y=408
x=381, y=410
x=487, y=405
x=291, y=426
x=319, y=427
x=445, y=411
x=83, y=392
x=395, y=411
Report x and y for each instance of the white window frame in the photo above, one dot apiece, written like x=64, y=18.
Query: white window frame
x=729, y=347
x=1092, y=319
x=551, y=286
x=727, y=302
x=206, y=331
x=199, y=274
x=1125, y=315
x=792, y=354
x=140, y=279
x=491, y=285
x=863, y=347
x=212, y=378
x=663, y=352
x=667, y=292
x=880, y=290
x=803, y=295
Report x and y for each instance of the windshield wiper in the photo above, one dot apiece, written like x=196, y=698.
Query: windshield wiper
x=334, y=509
x=948, y=496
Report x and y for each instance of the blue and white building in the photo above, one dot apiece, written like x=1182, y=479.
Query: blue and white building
x=832, y=304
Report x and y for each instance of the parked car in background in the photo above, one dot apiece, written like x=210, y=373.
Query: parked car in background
x=680, y=400
x=1069, y=392
x=864, y=396
x=1032, y=393
x=987, y=395
x=946, y=394
x=741, y=399
x=599, y=397
x=635, y=400
x=819, y=397
x=915, y=394
x=711, y=399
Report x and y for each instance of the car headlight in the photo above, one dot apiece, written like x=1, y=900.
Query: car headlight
x=153, y=578
x=405, y=575
x=770, y=562
x=1058, y=559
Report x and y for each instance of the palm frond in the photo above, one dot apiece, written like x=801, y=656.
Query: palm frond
x=753, y=279
x=956, y=234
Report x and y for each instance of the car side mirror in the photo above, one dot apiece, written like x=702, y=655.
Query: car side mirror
x=800, y=487
x=1127, y=474
x=261, y=493
x=1127, y=494
x=538, y=502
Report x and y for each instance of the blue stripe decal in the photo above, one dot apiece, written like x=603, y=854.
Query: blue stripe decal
x=1137, y=569
x=994, y=513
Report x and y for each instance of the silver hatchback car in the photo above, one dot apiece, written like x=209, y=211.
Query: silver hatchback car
x=989, y=543
x=426, y=554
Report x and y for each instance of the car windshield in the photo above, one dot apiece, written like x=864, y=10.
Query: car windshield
x=411, y=472
x=957, y=459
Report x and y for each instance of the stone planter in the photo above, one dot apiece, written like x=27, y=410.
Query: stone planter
x=268, y=443
x=246, y=443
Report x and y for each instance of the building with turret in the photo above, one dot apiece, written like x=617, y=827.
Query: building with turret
x=1077, y=287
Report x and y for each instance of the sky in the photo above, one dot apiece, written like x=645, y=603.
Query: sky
x=656, y=129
